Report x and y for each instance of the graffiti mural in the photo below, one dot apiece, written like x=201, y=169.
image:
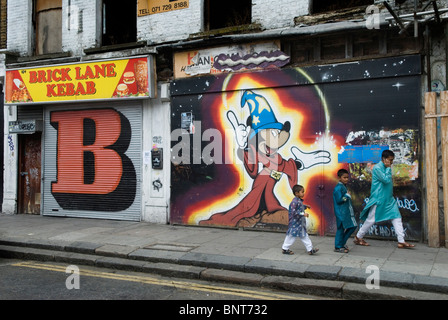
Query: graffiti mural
x=93, y=170
x=92, y=161
x=261, y=142
x=240, y=141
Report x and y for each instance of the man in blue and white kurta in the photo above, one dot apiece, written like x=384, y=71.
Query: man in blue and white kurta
x=382, y=205
x=343, y=210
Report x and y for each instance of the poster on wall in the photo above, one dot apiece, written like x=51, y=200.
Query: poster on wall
x=97, y=80
x=259, y=133
x=253, y=56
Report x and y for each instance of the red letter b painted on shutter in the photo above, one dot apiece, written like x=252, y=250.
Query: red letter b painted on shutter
x=93, y=173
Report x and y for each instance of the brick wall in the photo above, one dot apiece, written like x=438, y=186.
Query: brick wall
x=179, y=24
x=171, y=26
x=19, y=35
x=277, y=14
x=79, y=25
x=80, y=31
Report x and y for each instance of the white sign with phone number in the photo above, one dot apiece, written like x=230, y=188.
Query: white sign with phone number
x=146, y=7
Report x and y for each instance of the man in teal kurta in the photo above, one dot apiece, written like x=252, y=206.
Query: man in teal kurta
x=382, y=205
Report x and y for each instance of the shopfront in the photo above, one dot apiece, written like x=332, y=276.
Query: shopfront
x=240, y=141
x=83, y=157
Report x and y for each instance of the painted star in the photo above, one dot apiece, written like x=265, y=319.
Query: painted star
x=398, y=85
x=256, y=120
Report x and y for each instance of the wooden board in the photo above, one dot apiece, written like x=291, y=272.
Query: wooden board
x=432, y=194
x=444, y=140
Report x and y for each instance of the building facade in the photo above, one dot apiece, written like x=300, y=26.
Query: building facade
x=239, y=101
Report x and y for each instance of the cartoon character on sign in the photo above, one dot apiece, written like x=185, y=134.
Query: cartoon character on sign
x=260, y=141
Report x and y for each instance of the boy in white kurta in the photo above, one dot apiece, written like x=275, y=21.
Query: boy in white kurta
x=297, y=223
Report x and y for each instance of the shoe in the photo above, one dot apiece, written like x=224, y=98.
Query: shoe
x=313, y=251
x=360, y=242
x=287, y=252
x=405, y=245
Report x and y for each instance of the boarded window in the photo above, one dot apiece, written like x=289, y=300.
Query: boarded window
x=3, y=20
x=48, y=26
x=119, y=22
x=230, y=13
x=325, y=5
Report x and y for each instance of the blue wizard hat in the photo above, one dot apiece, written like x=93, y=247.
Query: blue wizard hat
x=261, y=113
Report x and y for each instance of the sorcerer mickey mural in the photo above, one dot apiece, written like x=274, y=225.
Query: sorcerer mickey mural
x=244, y=139
x=260, y=141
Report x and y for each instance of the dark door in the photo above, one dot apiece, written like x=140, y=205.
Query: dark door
x=30, y=173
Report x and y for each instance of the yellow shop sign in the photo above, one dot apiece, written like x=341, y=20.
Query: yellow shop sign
x=111, y=79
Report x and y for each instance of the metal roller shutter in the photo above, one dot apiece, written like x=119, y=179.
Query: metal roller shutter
x=92, y=161
x=29, y=112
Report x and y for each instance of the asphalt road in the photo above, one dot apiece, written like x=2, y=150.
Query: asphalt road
x=33, y=280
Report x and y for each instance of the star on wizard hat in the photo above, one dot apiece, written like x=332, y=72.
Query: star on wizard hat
x=261, y=114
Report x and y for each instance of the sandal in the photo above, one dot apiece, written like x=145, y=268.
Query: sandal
x=360, y=242
x=313, y=251
x=405, y=245
x=287, y=252
x=341, y=250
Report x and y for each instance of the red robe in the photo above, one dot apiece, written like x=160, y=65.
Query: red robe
x=261, y=197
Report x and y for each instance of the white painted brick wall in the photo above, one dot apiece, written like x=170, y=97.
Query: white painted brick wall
x=171, y=26
x=19, y=33
x=78, y=31
x=157, y=28
x=277, y=14
x=179, y=24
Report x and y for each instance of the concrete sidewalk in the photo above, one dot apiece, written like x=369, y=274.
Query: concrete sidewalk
x=239, y=256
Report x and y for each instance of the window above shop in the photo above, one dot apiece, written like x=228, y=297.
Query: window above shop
x=319, y=6
x=47, y=22
x=351, y=46
x=3, y=26
x=119, y=22
x=225, y=14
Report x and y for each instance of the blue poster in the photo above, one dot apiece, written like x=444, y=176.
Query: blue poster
x=372, y=153
x=361, y=154
x=350, y=154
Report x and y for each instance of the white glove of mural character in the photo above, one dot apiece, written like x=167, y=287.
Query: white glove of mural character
x=241, y=130
x=309, y=159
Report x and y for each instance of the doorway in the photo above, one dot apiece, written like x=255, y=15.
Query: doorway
x=29, y=193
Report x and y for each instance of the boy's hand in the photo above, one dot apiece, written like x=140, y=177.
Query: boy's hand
x=306, y=214
x=387, y=163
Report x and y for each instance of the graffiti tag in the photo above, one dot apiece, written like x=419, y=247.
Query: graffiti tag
x=408, y=204
x=10, y=143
